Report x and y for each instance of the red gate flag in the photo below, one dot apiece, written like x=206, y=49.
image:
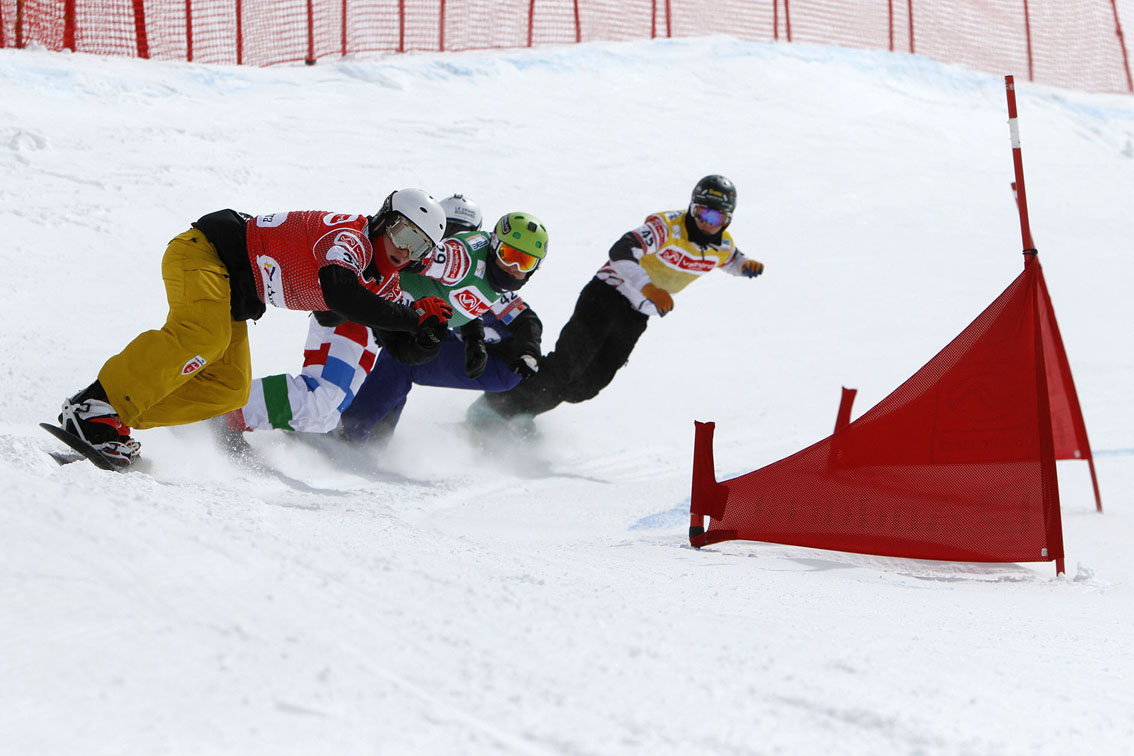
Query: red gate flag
x=958, y=463
x=1067, y=426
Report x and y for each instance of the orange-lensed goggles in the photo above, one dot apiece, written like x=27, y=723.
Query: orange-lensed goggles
x=514, y=258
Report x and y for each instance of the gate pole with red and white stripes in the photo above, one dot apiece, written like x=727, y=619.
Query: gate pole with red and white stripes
x=1018, y=163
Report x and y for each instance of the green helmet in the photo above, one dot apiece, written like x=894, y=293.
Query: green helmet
x=522, y=231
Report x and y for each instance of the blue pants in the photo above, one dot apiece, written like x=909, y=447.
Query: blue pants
x=383, y=393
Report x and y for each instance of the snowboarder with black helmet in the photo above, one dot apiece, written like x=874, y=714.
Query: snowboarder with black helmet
x=647, y=266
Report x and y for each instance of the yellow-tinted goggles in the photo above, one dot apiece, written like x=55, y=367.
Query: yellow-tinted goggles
x=406, y=235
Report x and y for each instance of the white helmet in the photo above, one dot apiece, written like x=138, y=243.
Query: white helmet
x=462, y=214
x=415, y=206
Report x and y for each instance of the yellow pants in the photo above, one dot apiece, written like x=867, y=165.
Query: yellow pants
x=198, y=365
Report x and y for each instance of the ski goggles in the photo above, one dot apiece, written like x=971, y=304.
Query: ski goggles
x=516, y=259
x=710, y=216
x=405, y=235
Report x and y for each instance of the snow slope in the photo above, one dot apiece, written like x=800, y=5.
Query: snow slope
x=542, y=599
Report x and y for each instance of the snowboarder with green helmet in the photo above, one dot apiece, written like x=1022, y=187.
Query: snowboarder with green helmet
x=478, y=273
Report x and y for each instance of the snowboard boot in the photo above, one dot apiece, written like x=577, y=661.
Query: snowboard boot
x=381, y=433
x=483, y=421
x=482, y=418
x=230, y=429
x=90, y=417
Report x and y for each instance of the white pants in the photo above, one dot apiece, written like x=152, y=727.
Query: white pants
x=335, y=363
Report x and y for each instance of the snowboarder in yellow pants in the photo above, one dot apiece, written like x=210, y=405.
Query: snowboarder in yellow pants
x=198, y=365
x=223, y=272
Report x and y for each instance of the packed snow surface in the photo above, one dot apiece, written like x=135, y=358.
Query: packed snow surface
x=541, y=597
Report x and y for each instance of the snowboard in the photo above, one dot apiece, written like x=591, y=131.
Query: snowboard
x=85, y=450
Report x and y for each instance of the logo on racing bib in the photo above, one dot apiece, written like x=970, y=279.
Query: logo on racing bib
x=470, y=301
x=337, y=219
x=344, y=246
x=454, y=262
x=272, y=277
x=674, y=258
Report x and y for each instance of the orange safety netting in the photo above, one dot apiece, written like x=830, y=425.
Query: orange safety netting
x=1071, y=43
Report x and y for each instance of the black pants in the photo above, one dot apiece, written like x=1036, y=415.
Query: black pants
x=592, y=346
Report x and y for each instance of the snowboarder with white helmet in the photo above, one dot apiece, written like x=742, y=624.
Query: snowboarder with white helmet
x=495, y=339
x=338, y=353
x=223, y=272
x=647, y=266
x=461, y=214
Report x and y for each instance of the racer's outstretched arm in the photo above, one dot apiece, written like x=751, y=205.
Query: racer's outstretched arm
x=347, y=297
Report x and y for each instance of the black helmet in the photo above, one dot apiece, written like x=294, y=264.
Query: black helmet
x=716, y=192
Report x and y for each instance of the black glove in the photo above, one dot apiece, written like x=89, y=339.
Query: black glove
x=429, y=333
x=476, y=359
x=476, y=353
x=403, y=347
x=525, y=366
